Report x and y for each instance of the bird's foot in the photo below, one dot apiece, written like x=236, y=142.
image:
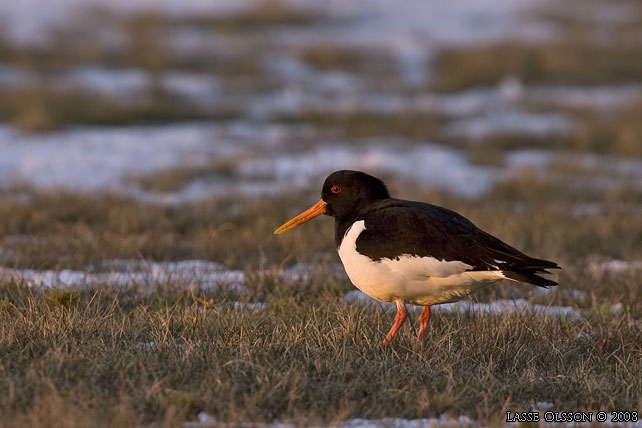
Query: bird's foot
x=384, y=345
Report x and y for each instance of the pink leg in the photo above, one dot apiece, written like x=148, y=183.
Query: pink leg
x=400, y=318
x=424, y=319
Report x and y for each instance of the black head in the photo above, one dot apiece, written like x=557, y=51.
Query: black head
x=344, y=194
x=347, y=192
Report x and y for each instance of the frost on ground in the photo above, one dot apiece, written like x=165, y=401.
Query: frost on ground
x=190, y=273
x=497, y=307
x=205, y=420
x=614, y=266
x=429, y=164
x=126, y=273
x=105, y=159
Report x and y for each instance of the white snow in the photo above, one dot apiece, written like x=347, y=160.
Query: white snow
x=617, y=309
x=122, y=83
x=596, y=97
x=614, y=266
x=29, y=21
x=257, y=306
x=429, y=164
x=500, y=123
x=125, y=273
x=543, y=405
x=206, y=420
x=497, y=307
x=101, y=157
x=192, y=273
x=448, y=22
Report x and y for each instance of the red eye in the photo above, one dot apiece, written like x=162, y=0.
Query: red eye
x=335, y=189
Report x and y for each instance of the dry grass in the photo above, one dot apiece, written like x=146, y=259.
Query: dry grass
x=618, y=131
x=43, y=108
x=614, y=132
x=556, y=62
x=376, y=63
x=359, y=124
x=590, y=47
x=104, y=357
x=140, y=357
x=262, y=15
x=111, y=358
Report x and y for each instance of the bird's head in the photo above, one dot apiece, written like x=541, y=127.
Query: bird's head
x=343, y=194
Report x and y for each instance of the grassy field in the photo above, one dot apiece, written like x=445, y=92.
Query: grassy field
x=294, y=350
x=112, y=357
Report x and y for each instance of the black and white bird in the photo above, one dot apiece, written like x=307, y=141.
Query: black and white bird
x=413, y=252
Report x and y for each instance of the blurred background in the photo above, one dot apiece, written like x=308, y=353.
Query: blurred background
x=533, y=104
x=179, y=101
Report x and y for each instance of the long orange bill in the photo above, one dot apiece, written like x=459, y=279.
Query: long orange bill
x=307, y=215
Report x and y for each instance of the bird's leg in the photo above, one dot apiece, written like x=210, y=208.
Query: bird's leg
x=424, y=319
x=400, y=318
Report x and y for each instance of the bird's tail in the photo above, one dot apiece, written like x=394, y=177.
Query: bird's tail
x=530, y=277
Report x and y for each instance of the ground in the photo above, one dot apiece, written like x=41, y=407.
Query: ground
x=147, y=157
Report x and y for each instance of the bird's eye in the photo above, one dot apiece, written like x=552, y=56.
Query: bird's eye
x=335, y=189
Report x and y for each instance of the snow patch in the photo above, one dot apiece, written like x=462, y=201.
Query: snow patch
x=206, y=420
x=497, y=307
x=101, y=157
x=125, y=273
x=508, y=123
x=617, y=309
x=614, y=266
x=258, y=306
x=428, y=164
x=192, y=273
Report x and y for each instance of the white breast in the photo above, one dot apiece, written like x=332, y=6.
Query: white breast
x=418, y=280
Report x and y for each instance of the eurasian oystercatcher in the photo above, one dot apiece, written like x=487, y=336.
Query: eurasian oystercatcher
x=413, y=252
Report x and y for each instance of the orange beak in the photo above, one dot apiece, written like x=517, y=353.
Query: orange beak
x=307, y=215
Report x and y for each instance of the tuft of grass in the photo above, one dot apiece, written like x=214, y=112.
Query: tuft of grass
x=361, y=124
x=174, y=179
x=262, y=15
x=585, y=35
x=64, y=298
x=616, y=132
x=376, y=63
x=556, y=62
x=44, y=109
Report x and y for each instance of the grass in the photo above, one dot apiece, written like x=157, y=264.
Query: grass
x=175, y=179
x=144, y=39
x=376, y=63
x=361, y=124
x=262, y=15
x=556, y=62
x=45, y=109
x=108, y=357
x=617, y=132
x=579, y=54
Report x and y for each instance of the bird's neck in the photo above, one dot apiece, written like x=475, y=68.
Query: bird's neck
x=341, y=226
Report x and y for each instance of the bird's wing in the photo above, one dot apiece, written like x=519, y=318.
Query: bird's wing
x=401, y=229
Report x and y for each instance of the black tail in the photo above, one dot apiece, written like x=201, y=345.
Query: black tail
x=530, y=277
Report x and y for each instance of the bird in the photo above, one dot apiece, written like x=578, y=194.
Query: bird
x=409, y=252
